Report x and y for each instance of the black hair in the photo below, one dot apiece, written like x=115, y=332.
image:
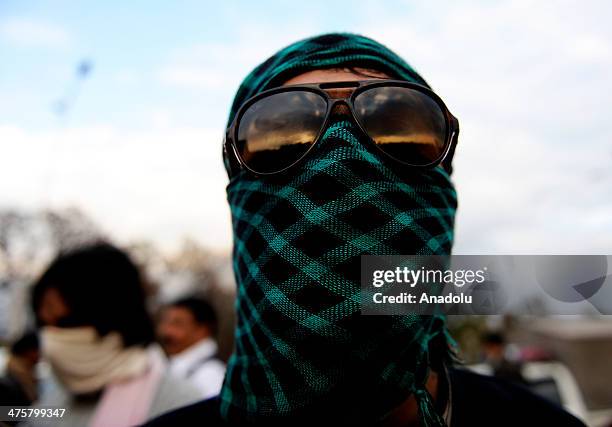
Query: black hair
x=494, y=338
x=102, y=288
x=202, y=312
x=27, y=342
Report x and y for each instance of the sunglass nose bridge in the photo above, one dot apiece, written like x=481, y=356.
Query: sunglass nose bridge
x=340, y=108
x=340, y=93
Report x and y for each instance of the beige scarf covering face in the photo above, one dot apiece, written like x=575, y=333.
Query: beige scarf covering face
x=85, y=362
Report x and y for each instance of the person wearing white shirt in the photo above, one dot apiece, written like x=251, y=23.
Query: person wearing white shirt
x=186, y=330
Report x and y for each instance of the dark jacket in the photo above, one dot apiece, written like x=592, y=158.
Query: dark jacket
x=477, y=401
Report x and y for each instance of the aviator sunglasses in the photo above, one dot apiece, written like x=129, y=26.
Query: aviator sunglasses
x=277, y=128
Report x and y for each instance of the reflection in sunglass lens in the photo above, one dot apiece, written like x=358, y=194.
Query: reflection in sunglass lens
x=406, y=124
x=276, y=131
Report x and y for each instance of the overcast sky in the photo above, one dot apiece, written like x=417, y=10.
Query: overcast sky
x=138, y=145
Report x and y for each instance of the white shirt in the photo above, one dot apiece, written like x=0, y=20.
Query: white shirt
x=199, y=365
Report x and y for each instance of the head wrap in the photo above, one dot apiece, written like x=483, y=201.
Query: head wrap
x=303, y=350
x=325, y=51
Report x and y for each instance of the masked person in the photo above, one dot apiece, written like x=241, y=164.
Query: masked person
x=337, y=148
x=96, y=335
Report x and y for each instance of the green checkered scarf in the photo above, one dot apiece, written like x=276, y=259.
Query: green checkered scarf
x=303, y=350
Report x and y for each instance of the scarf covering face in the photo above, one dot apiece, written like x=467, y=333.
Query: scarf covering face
x=85, y=362
x=303, y=352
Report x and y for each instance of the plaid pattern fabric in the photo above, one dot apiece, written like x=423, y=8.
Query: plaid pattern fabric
x=303, y=351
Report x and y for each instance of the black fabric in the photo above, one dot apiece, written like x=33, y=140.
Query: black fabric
x=478, y=401
x=12, y=393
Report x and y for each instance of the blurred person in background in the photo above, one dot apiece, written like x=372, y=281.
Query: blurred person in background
x=336, y=148
x=97, y=336
x=187, y=330
x=494, y=351
x=19, y=384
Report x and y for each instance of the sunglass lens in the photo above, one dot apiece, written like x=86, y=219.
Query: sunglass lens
x=405, y=123
x=276, y=131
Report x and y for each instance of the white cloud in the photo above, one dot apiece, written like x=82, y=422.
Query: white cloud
x=590, y=47
x=217, y=66
x=193, y=77
x=529, y=82
x=160, y=184
x=518, y=194
x=29, y=32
